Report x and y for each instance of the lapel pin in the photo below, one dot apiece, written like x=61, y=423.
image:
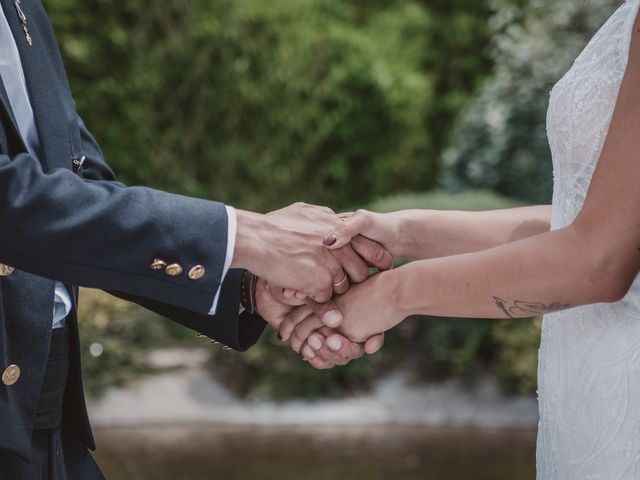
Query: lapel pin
x=23, y=21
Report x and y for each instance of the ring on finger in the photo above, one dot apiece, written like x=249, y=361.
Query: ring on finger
x=342, y=282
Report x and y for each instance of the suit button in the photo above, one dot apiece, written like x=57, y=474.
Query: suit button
x=11, y=375
x=6, y=270
x=158, y=264
x=197, y=272
x=174, y=270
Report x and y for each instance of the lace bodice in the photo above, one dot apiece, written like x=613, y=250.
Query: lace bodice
x=589, y=363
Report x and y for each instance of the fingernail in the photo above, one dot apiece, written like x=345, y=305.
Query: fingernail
x=334, y=343
x=332, y=318
x=330, y=240
x=307, y=352
x=315, y=342
x=280, y=336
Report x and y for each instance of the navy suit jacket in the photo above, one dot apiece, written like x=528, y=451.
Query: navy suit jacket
x=85, y=229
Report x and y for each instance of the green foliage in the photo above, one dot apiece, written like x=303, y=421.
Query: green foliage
x=260, y=104
x=516, y=354
x=501, y=143
x=476, y=201
x=272, y=371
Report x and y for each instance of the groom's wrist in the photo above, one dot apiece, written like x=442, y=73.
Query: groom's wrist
x=248, y=252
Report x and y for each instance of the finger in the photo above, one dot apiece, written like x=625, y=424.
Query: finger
x=341, y=286
x=374, y=344
x=323, y=297
x=349, y=228
x=343, y=355
x=307, y=353
x=303, y=331
x=292, y=320
x=329, y=273
x=320, y=364
x=353, y=264
x=330, y=358
x=280, y=295
x=328, y=312
x=341, y=347
x=374, y=253
x=301, y=296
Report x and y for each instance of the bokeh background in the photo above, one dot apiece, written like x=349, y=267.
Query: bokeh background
x=385, y=104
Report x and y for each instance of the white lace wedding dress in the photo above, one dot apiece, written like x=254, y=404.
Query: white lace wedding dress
x=589, y=362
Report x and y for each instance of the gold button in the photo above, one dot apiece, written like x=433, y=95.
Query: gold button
x=11, y=375
x=158, y=264
x=174, y=270
x=227, y=349
x=6, y=270
x=197, y=272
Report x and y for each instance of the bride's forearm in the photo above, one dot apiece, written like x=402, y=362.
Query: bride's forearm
x=435, y=233
x=538, y=275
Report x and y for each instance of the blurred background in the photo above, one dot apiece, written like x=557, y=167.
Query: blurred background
x=384, y=104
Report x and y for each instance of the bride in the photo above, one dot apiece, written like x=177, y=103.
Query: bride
x=576, y=262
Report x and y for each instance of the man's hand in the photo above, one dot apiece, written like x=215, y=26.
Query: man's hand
x=286, y=248
x=324, y=348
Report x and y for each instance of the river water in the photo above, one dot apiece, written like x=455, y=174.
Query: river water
x=203, y=452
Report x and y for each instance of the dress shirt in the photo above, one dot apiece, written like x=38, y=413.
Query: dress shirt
x=12, y=77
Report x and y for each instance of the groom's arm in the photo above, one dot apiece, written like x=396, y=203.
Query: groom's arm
x=238, y=331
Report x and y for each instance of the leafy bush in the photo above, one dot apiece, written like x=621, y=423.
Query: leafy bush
x=260, y=104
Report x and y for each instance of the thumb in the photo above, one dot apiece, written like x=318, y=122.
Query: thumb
x=374, y=344
x=328, y=313
x=351, y=227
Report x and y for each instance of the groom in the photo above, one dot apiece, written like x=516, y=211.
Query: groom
x=65, y=221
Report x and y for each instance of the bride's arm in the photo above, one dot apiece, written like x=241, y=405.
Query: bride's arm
x=594, y=259
x=420, y=234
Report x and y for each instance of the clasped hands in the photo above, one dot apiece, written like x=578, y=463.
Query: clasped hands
x=302, y=273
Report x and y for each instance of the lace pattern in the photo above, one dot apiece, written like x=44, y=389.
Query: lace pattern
x=589, y=359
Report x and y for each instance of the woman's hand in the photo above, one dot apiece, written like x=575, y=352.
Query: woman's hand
x=382, y=228
x=325, y=348
x=367, y=311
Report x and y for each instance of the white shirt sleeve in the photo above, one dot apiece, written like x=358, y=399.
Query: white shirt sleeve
x=231, y=246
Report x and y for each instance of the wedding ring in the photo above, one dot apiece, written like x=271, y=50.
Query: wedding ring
x=341, y=283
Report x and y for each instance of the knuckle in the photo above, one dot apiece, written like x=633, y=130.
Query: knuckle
x=377, y=252
x=333, y=269
x=327, y=210
x=361, y=274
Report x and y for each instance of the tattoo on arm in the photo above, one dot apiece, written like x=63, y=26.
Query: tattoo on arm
x=521, y=309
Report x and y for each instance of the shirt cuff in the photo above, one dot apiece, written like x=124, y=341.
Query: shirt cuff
x=232, y=226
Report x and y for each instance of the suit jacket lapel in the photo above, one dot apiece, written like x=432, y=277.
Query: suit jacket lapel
x=4, y=98
x=55, y=149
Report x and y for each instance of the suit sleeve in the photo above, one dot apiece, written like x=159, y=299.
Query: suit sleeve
x=239, y=332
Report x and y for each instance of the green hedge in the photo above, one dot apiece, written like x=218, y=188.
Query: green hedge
x=262, y=103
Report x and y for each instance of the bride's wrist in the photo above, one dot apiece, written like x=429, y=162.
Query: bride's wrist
x=398, y=225
x=391, y=288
